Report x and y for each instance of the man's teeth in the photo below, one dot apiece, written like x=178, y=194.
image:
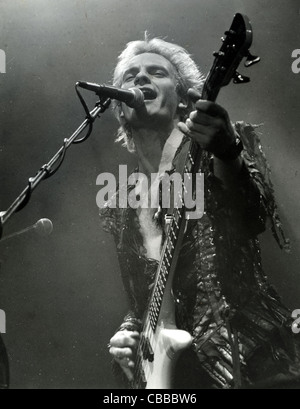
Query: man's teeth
x=149, y=94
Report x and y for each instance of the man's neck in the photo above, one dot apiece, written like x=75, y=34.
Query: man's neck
x=149, y=144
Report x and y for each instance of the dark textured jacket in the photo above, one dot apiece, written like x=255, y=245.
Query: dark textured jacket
x=241, y=331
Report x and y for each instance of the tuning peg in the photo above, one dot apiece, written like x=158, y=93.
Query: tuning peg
x=230, y=33
x=218, y=54
x=240, y=79
x=251, y=59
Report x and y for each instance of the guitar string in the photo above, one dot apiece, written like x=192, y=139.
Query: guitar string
x=141, y=371
x=148, y=331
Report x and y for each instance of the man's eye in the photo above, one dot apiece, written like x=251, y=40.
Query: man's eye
x=128, y=78
x=159, y=74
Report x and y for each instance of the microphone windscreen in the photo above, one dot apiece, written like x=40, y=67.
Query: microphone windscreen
x=44, y=227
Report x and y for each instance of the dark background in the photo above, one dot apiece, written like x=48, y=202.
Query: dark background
x=62, y=294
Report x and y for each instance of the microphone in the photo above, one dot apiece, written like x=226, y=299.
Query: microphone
x=133, y=97
x=43, y=227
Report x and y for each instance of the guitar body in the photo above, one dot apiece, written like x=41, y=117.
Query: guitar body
x=167, y=343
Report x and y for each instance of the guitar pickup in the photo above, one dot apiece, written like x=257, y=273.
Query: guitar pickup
x=147, y=350
x=168, y=219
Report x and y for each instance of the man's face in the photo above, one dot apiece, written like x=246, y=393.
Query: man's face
x=151, y=72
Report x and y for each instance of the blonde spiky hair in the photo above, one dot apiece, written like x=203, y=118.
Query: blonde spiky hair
x=188, y=75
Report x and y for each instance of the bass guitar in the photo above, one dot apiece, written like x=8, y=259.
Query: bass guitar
x=161, y=342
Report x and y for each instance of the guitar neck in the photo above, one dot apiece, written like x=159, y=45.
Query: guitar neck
x=176, y=224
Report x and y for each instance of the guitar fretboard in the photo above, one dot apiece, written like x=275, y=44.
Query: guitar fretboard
x=170, y=247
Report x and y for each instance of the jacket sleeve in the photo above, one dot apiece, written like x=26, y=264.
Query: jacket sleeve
x=256, y=188
x=112, y=222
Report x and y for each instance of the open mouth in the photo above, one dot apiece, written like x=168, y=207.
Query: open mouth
x=148, y=93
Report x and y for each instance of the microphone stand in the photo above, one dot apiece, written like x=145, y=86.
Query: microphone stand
x=49, y=169
x=45, y=172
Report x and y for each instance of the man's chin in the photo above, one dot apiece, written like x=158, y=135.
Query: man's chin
x=146, y=112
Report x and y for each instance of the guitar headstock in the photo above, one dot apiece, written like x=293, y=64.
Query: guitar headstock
x=235, y=47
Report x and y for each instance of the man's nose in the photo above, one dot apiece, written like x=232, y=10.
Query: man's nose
x=142, y=78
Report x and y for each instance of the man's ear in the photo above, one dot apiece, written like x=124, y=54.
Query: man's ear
x=122, y=119
x=182, y=107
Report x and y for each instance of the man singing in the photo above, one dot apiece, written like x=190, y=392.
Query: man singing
x=241, y=332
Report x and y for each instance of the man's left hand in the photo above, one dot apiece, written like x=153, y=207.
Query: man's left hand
x=209, y=125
